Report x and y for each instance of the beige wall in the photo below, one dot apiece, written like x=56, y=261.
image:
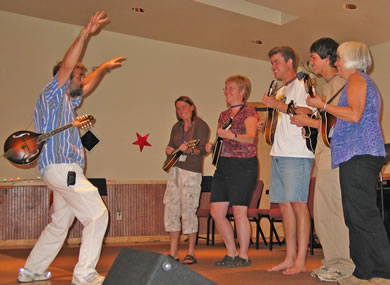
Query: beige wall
x=381, y=76
x=139, y=97
x=136, y=98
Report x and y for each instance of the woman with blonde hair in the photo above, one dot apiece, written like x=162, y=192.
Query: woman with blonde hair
x=237, y=169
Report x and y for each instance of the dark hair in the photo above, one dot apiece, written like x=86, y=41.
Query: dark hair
x=78, y=65
x=326, y=47
x=187, y=100
x=287, y=53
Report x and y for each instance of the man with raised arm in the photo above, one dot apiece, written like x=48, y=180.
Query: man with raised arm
x=62, y=162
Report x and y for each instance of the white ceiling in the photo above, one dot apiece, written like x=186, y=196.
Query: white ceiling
x=193, y=23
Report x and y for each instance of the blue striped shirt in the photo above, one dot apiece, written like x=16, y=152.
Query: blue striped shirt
x=53, y=110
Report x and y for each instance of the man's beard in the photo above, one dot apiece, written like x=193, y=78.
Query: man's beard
x=76, y=92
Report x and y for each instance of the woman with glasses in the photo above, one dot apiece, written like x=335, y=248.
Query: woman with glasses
x=236, y=174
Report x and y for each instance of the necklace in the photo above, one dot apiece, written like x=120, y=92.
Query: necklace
x=328, y=80
x=239, y=105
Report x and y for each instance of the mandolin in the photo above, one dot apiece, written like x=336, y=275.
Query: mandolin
x=272, y=116
x=175, y=155
x=24, y=147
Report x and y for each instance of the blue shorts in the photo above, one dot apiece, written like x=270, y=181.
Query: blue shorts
x=290, y=179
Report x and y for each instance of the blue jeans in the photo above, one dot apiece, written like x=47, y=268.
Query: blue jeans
x=290, y=179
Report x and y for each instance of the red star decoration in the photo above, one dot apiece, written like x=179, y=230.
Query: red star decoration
x=142, y=141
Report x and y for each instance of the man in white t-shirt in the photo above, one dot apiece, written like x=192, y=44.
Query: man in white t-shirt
x=292, y=161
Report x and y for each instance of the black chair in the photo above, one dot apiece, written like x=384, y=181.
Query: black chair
x=274, y=216
x=205, y=212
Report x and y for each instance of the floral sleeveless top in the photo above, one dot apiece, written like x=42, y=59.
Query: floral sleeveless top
x=364, y=137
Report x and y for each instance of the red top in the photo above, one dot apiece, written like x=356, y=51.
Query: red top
x=231, y=148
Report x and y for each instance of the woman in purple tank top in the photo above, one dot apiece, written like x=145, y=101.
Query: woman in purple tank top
x=358, y=150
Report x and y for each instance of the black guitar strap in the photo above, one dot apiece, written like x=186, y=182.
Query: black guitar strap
x=335, y=95
x=242, y=107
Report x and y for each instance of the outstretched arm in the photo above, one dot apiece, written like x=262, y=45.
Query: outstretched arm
x=356, y=98
x=93, y=79
x=73, y=54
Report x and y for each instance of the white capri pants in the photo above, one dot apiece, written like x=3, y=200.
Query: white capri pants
x=82, y=201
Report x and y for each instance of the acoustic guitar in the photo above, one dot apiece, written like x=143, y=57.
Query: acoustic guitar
x=217, y=146
x=328, y=122
x=175, y=155
x=272, y=116
x=24, y=147
x=311, y=134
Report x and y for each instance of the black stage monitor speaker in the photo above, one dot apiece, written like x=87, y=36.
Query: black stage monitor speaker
x=139, y=267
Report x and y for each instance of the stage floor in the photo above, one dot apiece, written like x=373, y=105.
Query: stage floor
x=13, y=258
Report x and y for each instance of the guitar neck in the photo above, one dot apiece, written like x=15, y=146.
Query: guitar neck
x=227, y=124
x=176, y=152
x=45, y=137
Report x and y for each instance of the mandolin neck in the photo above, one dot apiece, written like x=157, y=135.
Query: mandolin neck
x=45, y=137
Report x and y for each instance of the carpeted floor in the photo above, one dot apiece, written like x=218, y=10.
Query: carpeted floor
x=13, y=258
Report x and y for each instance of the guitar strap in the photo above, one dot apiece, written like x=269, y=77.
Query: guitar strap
x=242, y=107
x=335, y=95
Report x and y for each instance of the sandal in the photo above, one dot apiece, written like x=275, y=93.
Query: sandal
x=226, y=261
x=189, y=259
x=240, y=262
x=175, y=259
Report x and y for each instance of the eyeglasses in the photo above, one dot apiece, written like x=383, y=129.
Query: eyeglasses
x=229, y=88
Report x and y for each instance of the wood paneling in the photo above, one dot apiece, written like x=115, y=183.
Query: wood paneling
x=135, y=210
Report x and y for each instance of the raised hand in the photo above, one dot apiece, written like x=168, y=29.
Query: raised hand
x=95, y=22
x=114, y=63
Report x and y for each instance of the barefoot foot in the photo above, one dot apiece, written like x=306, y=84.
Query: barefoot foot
x=295, y=269
x=280, y=267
